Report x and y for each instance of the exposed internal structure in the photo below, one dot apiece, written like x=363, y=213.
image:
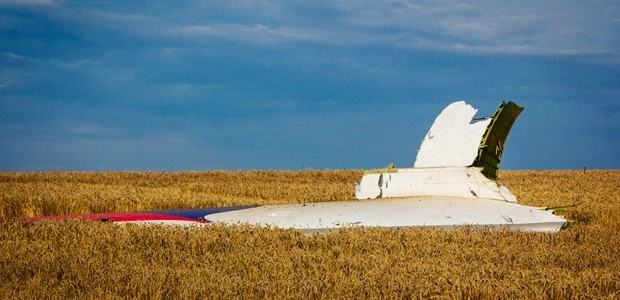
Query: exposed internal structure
x=494, y=139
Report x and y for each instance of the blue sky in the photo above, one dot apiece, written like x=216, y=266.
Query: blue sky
x=203, y=85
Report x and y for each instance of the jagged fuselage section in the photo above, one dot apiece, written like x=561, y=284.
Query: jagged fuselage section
x=467, y=182
x=452, y=184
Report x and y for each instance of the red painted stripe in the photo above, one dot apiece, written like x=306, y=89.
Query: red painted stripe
x=115, y=217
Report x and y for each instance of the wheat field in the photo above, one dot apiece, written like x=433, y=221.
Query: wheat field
x=79, y=259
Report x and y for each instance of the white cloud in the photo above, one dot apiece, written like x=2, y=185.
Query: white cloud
x=530, y=28
x=27, y=2
x=18, y=57
x=258, y=33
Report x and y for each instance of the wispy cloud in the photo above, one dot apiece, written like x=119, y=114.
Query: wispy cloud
x=18, y=57
x=537, y=28
x=27, y=2
x=533, y=28
x=259, y=33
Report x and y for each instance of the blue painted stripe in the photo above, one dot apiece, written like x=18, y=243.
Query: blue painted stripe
x=198, y=213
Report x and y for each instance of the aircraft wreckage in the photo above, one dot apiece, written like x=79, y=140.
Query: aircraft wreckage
x=453, y=183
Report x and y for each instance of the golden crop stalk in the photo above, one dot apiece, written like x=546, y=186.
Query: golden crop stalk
x=80, y=259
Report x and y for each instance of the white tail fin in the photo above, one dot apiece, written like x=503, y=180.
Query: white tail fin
x=453, y=140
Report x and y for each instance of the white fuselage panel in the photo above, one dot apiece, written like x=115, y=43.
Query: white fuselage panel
x=447, y=181
x=396, y=212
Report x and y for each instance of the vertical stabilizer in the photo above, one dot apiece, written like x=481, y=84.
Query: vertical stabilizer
x=453, y=139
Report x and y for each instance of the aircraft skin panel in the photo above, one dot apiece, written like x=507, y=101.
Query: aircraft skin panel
x=442, y=212
x=442, y=181
x=396, y=212
x=453, y=140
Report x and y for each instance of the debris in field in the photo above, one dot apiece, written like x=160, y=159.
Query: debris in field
x=454, y=174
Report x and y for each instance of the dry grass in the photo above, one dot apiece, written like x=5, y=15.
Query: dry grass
x=98, y=260
x=45, y=194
